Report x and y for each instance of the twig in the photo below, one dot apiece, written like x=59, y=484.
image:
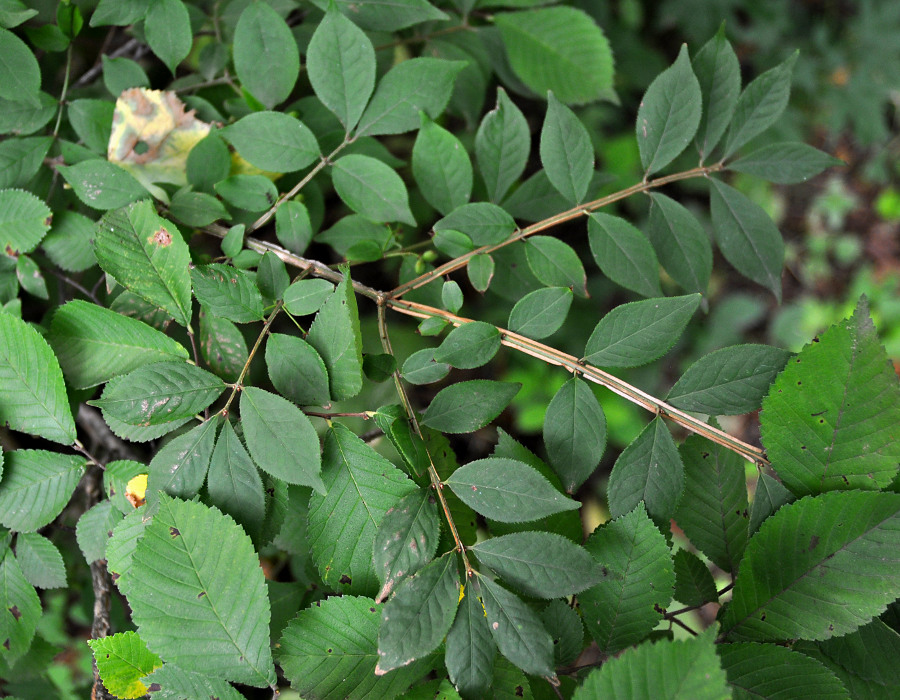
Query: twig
x=90, y=420
x=683, y=626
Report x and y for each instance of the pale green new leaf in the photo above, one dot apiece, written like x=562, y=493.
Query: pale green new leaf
x=622, y=609
x=372, y=189
x=296, y=370
x=555, y=263
x=227, y=292
x=574, y=433
x=233, y=483
x=839, y=433
x=36, y=486
x=180, y=466
x=541, y=313
x=818, y=568
x=32, y=392
x=20, y=609
x=669, y=114
x=147, y=255
x=24, y=221
x=785, y=163
x=719, y=74
x=680, y=242
x=416, y=619
x=167, y=27
x=123, y=660
x=566, y=151
x=273, y=141
x=502, y=145
x=624, y=254
x=465, y=407
x=468, y=346
x=637, y=333
x=101, y=184
x=262, y=39
x=281, y=438
x=360, y=486
x=41, y=562
x=194, y=563
x=470, y=649
x=441, y=167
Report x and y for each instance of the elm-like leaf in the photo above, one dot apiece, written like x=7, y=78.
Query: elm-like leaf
x=179, y=467
x=36, y=486
x=227, y=292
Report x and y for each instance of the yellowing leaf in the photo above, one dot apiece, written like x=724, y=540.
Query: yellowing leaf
x=136, y=490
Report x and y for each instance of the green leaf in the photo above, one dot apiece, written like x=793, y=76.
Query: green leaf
x=176, y=683
x=296, y=370
x=101, y=184
x=574, y=433
x=669, y=114
x=227, y=292
x=30, y=277
x=208, y=162
x=70, y=242
x=666, y=670
x=416, y=619
x=484, y=223
x=559, y=49
x=770, y=495
x=20, y=74
x=556, y=264
x=451, y=296
x=280, y=438
x=197, y=208
x=637, y=333
x=817, y=569
x=566, y=151
x=719, y=74
x=24, y=220
x=680, y=242
x=469, y=346
x=502, y=146
x=730, y=381
x=387, y=15
x=541, y=313
x=507, y=490
x=747, y=237
x=539, y=564
x=94, y=528
x=648, y=470
x=248, y=192
x=14, y=12
x=305, y=297
x=147, y=255
x=233, y=483
x=336, y=336
x=624, y=254
x=760, y=105
x=119, y=74
x=120, y=547
x=785, y=163
x=94, y=344
x=421, y=368
x=262, y=39
x=625, y=606
x=222, y=346
x=23, y=118
x=184, y=581
x=119, y=12
x=713, y=510
x=41, y=562
x=829, y=421
x=21, y=158
x=167, y=27
x=470, y=649
x=441, y=167
x=869, y=652
x=36, y=486
x=771, y=671
x=372, y=189
x=414, y=85
x=20, y=610
x=331, y=648
x=273, y=141
x=406, y=539
x=179, y=468
x=340, y=62
x=32, y=393
x=159, y=393
x=517, y=630
x=123, y=660
x=855, y=685
x=360, y=486
x=465, y=407
x=354, y=233
x=271, y=276
x=481, y=271
x=694, y=584
x=565, y=627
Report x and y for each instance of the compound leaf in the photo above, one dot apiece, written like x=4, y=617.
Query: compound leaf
x=785, y=163
x=719, y=73
x=441, y=167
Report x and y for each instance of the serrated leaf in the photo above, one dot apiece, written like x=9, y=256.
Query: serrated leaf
x=233, y=484
x=680, y=242
x=296, y=370
x=167, y=27
x=69, y=243
x=94, y=528
x=820, y=567
x=120, y=547
x=273, y=141
x=565, y=627
x=101, y=184
x=116, y=482
x=14, y=12
x=465, y=407
x=20, y=159
x=416, y=619
x=517, y=630
x=123, y=660
x=20, y=79
x=470, y=649
x=559, y=49
x=222, y=346
x=24, y=220
x=360, y=486
x=770, y=495
x=441, y=167
x=648, y=470
x=713, y=510
x=176, y=683
x=623, y=608
x=227, y=292
x=372, y=189
x=484, y=223
x=669, y=114
x=541, y=313
x=539, y=564
x=417, y=84
x=36, y=486
x=40, y=560
x=719, y=74
x=637, y=333
x=502, y=146
x=263, y=39
x=869, y=653
x=32, y=393
x=574, y=433
x=694, y=584
x=20, y=610
x=624, y=254
x=856, y=686
x=507, y=490
x=340, y=62
x=730, y=381
x=23, y=118
x=159, y=393
x=566, y=151
x=406, y=539
x=147, y=255
x=555, y=263
x=785, y=163
x=180, y=466
x=194, y=562
x=330, y=650
x=336, y=336
x=280, y=438
x=840, y=434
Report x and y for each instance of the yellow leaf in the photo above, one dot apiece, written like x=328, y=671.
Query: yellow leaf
x=136, y=490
